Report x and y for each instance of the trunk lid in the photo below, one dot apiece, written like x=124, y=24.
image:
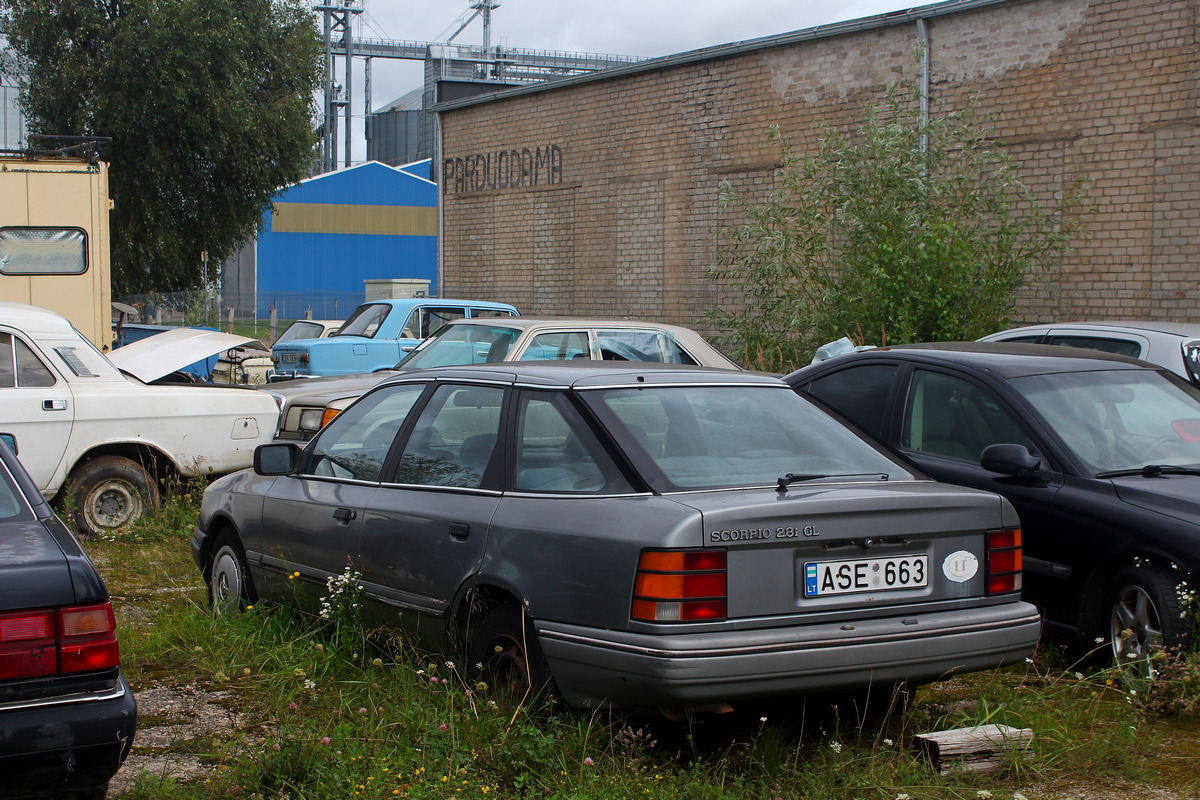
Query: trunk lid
x=828, y=547
x=33, y=569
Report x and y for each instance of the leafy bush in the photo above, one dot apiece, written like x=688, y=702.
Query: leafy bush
x=908, y=229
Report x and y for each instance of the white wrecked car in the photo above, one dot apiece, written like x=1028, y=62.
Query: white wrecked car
x=104, y=438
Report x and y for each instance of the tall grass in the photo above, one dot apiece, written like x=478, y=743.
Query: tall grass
x=333, y=712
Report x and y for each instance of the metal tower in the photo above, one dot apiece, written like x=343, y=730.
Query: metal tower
x=444, y=61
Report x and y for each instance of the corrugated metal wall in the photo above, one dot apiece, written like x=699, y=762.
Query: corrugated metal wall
x=328, y=234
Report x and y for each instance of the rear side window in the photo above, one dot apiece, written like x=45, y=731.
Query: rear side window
x=859, y=394
x=631, y=345
x=20, y=366
x=557, y=451
x=1122, y=347
x=490, y=313
x=43, y=251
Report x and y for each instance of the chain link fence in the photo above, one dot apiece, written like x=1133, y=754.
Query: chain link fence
x=262, y=315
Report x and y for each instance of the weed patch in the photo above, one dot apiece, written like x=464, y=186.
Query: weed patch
x=321, y=709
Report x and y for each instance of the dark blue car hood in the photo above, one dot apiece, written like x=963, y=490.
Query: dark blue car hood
x=34, y=571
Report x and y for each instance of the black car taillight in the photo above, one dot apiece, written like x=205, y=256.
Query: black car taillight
x=27, y=645
x=49, y=642
x=1004, y=561
x=679, y=586
x=87, y=638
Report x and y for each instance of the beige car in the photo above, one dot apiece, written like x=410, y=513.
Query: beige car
x=308, y=404
x=251, y=363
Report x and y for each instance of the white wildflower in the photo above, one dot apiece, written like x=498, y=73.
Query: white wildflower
x=835, y=747
x=888, y=742
x=1078, y=676
x=984, y=794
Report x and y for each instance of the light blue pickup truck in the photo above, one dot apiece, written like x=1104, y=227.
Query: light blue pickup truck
x=376, y=336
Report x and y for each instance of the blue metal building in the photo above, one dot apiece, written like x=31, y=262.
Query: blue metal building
x=328, y=234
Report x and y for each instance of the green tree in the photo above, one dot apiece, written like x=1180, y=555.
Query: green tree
x=904, y=230
x=209, y=104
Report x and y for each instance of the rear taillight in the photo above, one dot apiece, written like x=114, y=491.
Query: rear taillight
x=1004, y=561
x=47, y=642
x=679, y=586
x=87, y=638
x=27, y=645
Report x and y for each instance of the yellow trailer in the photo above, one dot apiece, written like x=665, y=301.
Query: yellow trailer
x=54, y=245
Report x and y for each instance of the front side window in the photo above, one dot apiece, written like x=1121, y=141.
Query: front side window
x=1119, y=419
x=356, y=442
x=43, y=251
x=948, y=416
x=454, y=439
x=425, y=322
x=557, y=346
x=712, y=437
x=365, y=320
x=557, y=451
x=456, y=345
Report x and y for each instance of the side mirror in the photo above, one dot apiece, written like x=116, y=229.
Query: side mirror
x=1010, y=459
x=10, y=442
x=277, y=458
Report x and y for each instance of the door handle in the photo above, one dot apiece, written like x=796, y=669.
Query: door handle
x=460, y=530
x=344, y=515
x=54, y=405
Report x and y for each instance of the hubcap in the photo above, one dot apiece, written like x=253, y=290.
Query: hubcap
x=111, y=505
x=1136, y=631
x=226, y=582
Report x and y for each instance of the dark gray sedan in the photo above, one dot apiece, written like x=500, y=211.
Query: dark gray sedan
x=633, y=535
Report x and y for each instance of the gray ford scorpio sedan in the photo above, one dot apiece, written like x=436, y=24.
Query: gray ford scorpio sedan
x=628, y=534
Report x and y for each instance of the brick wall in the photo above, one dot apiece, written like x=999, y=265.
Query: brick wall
x=619, y=218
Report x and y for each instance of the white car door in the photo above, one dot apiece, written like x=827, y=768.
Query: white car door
x=36, y=407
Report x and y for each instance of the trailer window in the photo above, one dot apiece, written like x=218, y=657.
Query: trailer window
x=43, y=251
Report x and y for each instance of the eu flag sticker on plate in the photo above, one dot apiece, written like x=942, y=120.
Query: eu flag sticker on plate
x=810, y=580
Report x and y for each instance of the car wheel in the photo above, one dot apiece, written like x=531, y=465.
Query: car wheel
x=503, y=652
x=1144, y=616
x=109, y=492
x=230, y=588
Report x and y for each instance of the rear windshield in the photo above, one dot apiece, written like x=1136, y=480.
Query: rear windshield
x=712, y=437
x=12, y=505
x=365, y=320
x=301, y=330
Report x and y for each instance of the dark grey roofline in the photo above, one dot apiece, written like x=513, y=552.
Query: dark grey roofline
x=735, y=48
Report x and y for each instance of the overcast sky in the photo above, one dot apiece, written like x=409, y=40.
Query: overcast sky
x=621, y=27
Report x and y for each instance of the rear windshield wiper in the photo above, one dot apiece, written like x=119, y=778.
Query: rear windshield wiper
x=789, y=479
x=1150, y=471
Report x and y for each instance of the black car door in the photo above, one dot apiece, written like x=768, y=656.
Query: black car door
x=943, y=422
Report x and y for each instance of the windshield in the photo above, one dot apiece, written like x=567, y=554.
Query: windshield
x=455, y=345
x=1123, y=419
x=714, y=437
x=301, y=329
x=365, y=320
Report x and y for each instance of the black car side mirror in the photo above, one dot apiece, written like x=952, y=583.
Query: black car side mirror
x=1010, y=459
x=277, y=458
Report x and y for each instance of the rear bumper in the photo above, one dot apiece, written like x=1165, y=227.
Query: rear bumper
x=594, y=668
x=68, y=743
